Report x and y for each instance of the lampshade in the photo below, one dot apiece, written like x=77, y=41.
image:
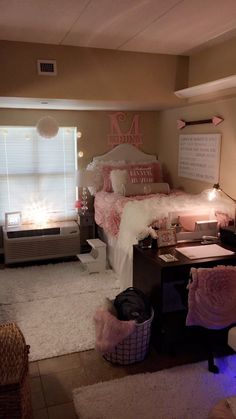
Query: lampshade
x=47, y=127
x=85, y=178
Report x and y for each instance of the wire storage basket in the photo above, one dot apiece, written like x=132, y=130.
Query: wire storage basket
x=15, y=398
x=135, y=347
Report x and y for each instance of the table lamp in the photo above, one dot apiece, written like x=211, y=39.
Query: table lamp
x=85, y=178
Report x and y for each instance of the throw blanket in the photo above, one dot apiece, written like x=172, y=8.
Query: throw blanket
x=212, y=297
x=110, y=331
x=113, y=212
x=110, y=206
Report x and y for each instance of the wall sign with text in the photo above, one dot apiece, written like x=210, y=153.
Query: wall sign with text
x=117, y=135
x=199, y=157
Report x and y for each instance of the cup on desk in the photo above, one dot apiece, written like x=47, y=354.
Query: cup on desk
x=145, y=243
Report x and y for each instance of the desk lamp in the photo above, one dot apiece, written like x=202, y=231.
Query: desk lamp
x=216, y=191
x=227, y=234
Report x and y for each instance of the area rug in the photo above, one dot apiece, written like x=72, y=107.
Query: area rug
x=186, y=392
x=54, y=305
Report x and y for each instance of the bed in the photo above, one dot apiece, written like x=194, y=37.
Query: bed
x=131, y=199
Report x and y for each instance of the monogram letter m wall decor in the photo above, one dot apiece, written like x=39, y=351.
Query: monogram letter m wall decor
x=131, y=136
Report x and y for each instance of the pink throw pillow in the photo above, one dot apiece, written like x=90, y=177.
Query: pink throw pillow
x=145, y=173
x=157, y=173
x=140, y=173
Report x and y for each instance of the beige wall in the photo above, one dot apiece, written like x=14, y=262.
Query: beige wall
x=94, y=125
x=168, y=135
x=111, y=75
x=213, y=63
x=91, y=74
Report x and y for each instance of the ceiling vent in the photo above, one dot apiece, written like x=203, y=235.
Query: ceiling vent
x=47, y=67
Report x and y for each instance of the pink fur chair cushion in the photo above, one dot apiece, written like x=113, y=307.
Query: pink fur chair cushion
x=212, y=297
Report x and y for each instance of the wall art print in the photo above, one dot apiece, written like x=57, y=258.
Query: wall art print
x=199, y=157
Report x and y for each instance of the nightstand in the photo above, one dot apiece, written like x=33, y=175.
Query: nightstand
x=87, y=230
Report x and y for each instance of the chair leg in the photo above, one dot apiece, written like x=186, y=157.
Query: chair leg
x=209, y=339
x=211, y=365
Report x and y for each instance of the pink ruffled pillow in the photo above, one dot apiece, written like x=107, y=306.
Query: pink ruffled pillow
x=138, y=173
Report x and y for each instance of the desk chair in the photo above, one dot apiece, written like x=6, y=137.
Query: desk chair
x=212, y=304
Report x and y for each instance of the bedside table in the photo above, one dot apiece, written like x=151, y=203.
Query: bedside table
x=87, y=230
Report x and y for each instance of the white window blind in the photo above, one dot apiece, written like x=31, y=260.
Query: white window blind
x=37, y=173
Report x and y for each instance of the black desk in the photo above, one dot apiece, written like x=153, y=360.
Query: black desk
x=165, y=284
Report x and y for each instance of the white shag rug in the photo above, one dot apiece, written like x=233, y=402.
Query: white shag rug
x=186, y=392
x=54, y=305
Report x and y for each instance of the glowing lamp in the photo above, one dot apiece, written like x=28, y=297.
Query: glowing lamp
x=216, y=193
x=37, y=212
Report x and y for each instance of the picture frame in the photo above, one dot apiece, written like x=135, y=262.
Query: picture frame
x=13, y=219
x=166, y=237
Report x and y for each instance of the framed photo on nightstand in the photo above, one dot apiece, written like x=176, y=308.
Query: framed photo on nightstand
x=12, y=219
x=166, y=237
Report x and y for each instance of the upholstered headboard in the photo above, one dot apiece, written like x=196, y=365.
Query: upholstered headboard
x=126, y=152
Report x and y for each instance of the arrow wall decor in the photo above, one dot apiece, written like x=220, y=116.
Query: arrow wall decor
x=216, y=120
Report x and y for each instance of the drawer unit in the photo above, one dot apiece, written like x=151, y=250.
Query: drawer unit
x=87, y=229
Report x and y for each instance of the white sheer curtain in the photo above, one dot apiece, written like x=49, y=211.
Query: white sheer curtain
x=37, y=173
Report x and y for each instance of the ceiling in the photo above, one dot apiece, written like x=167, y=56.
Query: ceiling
x=179, y=27
x=155, y=26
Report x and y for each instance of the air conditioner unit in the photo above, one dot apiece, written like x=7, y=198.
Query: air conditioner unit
x=28, y=242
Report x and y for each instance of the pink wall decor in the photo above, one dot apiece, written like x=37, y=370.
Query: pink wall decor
x=131, y=136
x=216, y=120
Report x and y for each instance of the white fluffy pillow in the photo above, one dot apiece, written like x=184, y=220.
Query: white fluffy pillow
x=119, y=178
x=96, y=166
x=146, y=188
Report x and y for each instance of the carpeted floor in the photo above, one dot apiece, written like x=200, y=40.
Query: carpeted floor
x=54, y=305
x=186, y=392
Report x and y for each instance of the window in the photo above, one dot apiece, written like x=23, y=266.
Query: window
x=37, y=175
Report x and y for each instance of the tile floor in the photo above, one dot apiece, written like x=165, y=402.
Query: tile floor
x=52, y=380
